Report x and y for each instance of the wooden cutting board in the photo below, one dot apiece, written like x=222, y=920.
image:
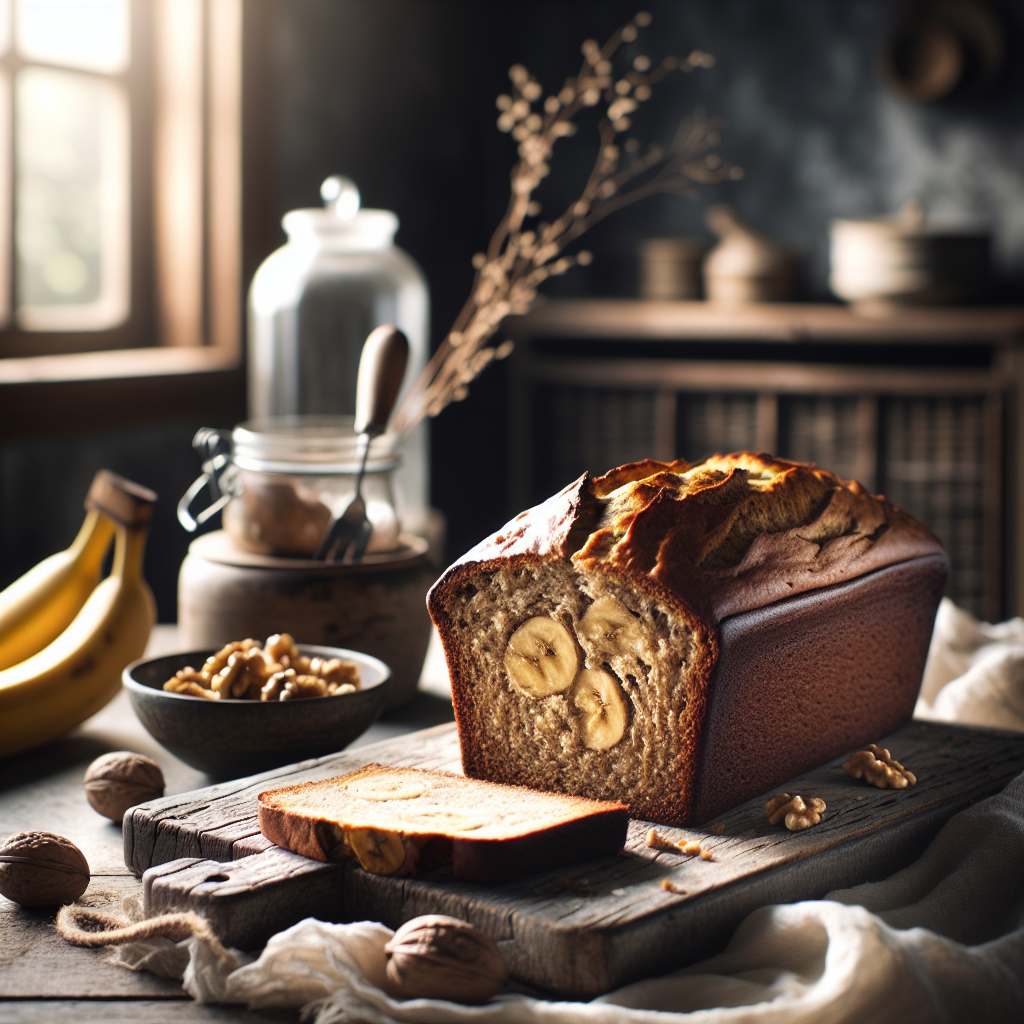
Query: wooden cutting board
x=580, y=931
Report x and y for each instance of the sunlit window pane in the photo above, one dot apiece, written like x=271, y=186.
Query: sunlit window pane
x=5, y=26
x=90, y=34
x=71, y=201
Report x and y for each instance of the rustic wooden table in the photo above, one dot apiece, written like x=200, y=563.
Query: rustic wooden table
x=42, y=978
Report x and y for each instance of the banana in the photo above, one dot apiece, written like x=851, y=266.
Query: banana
x=541, y=657
x=36, y=608
x=601, y=708
x=610, y=628
x=80, y=671
x=378, y=851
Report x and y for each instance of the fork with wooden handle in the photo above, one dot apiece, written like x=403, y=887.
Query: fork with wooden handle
x=381, y=369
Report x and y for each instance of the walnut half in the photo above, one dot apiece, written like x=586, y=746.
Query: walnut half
x=874, y=765
x=799, y=812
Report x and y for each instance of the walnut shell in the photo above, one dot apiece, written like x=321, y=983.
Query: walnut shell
x=438, y=957
x=119, y=780
x=40, y=869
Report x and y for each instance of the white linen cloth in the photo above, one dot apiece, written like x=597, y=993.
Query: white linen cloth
x=940, y=941
x=975, y=671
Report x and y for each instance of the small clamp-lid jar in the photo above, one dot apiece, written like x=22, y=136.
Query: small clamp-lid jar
x=287, y=477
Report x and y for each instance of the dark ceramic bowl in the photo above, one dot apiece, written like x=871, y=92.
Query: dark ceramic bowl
x=231, y=738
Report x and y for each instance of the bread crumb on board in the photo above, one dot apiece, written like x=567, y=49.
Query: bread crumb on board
x=690, y=847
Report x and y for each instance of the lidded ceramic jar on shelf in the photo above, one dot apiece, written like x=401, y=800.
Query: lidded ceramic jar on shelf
x=745, y=265
x=311, y=306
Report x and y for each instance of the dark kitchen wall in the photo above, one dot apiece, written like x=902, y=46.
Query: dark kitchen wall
x=399, y=95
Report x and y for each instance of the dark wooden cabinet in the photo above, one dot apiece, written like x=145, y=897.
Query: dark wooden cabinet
x=922, y=405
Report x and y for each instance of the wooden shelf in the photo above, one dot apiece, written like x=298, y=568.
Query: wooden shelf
x=898, y=402
x=117, y=364
x=617, y=319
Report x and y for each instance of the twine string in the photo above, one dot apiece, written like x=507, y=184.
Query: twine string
x=83, y=926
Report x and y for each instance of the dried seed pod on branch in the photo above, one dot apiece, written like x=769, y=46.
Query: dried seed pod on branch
x=519, y=258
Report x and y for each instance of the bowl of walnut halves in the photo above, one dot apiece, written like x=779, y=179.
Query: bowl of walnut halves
x=251, y=706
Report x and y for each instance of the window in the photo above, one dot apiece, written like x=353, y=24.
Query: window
x=120, y=156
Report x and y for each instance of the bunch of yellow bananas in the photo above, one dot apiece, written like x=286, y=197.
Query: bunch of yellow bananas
x=65, y=637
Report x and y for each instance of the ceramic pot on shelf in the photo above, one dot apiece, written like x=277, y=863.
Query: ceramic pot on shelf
x=669, y=268
x=886, y=262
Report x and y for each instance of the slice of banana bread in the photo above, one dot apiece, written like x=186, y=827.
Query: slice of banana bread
x=396, y=821
x=683, y=638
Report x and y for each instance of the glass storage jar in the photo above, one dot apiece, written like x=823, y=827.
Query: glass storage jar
x=281, y=481
x=311, y=305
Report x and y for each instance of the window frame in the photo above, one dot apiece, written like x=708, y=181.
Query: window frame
x=73, y=385
x=157, y=315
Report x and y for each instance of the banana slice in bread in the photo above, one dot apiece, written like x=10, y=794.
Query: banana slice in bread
x=610, y=628
x=602, y=708
x=541, y=657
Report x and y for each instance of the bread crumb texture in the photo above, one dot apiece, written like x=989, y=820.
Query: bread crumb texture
x=547, y=742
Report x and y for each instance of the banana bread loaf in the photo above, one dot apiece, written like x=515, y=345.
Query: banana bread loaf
x=683, y=638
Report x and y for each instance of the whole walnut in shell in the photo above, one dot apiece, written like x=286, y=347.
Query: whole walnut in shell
x=438, y=957
x=119, y=780
x=40, y=869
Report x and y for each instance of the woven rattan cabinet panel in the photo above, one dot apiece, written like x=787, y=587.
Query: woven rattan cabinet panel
x=927, y=418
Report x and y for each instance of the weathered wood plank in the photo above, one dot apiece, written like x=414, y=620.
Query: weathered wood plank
x=582, y=930
x=142, y=1011
x=249, y=900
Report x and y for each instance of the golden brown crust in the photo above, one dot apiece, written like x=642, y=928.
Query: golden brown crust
x=741, y=531
x=730, y=534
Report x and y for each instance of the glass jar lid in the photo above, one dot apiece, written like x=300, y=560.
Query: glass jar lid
x=314, y=445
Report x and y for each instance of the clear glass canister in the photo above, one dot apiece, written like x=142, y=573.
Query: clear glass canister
x=311, y=305
x=286, y=478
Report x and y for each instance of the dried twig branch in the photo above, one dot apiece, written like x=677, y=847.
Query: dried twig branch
x=518, y=259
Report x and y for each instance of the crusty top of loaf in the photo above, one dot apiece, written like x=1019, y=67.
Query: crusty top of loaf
x=418, y=802
x=727, y=535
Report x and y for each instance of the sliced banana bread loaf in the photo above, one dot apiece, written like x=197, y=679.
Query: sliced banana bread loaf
x=396, y=821
x=683, y=638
